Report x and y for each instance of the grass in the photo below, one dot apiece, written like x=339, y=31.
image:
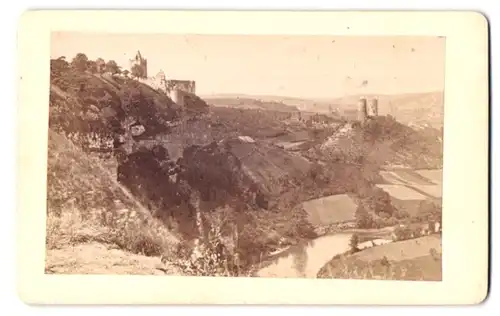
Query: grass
x=415, y=259
x=402, y=250
x=85, y=204
x=425, y=268
x=435, y=176
x=331, y=209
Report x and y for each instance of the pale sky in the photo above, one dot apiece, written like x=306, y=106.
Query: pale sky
x=294, y=66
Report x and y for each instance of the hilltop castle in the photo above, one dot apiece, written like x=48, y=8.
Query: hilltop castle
x=177, y=90
x=363, y=107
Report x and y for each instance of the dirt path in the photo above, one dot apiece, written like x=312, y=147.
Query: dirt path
x=96, y=258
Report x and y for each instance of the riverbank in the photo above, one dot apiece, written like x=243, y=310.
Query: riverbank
x=308, y=257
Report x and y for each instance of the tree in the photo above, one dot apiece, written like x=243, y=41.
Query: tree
x=380, y=201
x=363, y=218
x=112, y=67
x=354, y=242
x=137, y=71
x=125, y=72
x=79, y=62
x=58, y=65
x=101, y=65
x=92, y=66
x=428, y=211
x=403, y=233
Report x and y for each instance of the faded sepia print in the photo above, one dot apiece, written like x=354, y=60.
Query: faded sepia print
x=246, y=155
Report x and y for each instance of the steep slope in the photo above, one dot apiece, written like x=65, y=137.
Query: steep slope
x=384, y=142
x=86, y=204
x=414, y=259
x=81, y=103
x=244, y=167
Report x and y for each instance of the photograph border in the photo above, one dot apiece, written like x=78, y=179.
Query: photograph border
x=465, y=172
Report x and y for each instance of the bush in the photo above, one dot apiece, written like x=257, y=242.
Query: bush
x=363, y=218
x=354, y=242
x=403, y=233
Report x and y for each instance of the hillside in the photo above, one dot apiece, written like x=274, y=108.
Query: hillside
x=414, y=259
x=249, y=103
x=85, y=205
x=409, y=108
x=82, y=102
x=383, y=142
x=219, y=175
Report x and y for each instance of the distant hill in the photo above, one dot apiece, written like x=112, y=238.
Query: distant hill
x=249, y=103
x=416, y=108
x=384, y=142
x=267, y=102
x=409, y=108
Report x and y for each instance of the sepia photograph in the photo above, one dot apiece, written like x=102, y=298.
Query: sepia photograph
x=255, y=157
x=316, y=157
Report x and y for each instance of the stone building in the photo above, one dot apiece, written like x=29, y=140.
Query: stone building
x=367, y=109
x=177, y=90
x=139, y=64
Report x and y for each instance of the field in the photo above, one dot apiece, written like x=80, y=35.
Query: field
x=402, y=250
x=434, y=191
x=415, y=259
x=411, y=177
x=401, y=192
x=426, y=268
x=331, y=209
x=435, y=176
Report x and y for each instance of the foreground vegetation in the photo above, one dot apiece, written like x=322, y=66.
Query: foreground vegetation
x=413, y=259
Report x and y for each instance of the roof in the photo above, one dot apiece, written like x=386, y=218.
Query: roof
x=401, y=192
x=331, y=209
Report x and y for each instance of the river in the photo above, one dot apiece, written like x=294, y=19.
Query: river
x=307, y=259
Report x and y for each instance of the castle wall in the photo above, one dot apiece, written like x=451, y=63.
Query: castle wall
x=177, y=90
x=362, y=109
x=188, y=86
x=177, y=97
x=373, y=107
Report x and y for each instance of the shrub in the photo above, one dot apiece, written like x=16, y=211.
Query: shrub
x=363, y=218
x=385, y=262
x=354, y=242
x=403, y=233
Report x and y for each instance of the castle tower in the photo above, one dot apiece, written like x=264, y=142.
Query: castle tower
x=362, y=109
x=141, y=63
x=374, y=106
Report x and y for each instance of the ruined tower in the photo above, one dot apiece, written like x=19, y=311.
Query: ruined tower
x=139, y=66
x=362, y=109
x=177, y=90
x=374, y=107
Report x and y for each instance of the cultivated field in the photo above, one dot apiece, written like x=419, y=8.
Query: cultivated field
x=415, y=259
x=331, y=209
